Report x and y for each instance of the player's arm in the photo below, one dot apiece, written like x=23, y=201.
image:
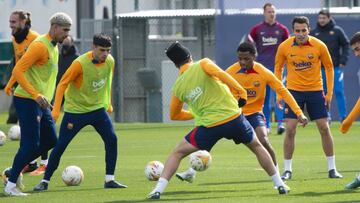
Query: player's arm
x=213, y=70
x=329, y=71
x=10, y=85
x=355, y=112
x=176, y=110
x=251, y=37
x=281, y=90
x=71, y=74
x=36, y=52
x=279, y=66
x=110, y=109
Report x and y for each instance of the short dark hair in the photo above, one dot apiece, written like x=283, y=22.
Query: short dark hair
x=102, y=40
x=247, y=46
x=266, y=5
x=355, y=38
x=301, y=20
x=325, y=12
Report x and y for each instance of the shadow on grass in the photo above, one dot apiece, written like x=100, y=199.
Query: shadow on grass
x=342, y=171
x=316, y=194
x=236, y=182
x=170, y=200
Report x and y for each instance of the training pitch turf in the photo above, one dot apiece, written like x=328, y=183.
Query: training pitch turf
x=234, y=176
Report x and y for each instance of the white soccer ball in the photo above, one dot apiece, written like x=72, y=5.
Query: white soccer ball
x=2, y=138
x=153, y=170
x=200, y=160
x=14, y=132
x=72, y=176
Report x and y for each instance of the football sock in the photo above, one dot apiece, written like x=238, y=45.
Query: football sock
x=277, y=180
x=331, y=162
x=109, y=178
x=10, y=184
x=44, y=162
x=161, y=185
x=288, y=164
x=45, y=181
x=191, y=171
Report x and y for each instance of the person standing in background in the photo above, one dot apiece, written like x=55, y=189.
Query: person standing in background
x=338, y=45
x=267, y=36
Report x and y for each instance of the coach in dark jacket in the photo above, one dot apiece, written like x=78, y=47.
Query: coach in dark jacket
x=68, y=53
x=338, y=44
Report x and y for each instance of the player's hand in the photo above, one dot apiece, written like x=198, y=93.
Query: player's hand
x=279, y=103
x=302, y=120
x=8, y=90
x=110, y=109
x=55, y=114
x=328, y=100
x=241, y=102
x=43, y=103
x=345, y=126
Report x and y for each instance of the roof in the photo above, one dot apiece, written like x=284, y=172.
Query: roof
x=178, y=13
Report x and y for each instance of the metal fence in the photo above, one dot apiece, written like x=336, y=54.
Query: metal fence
x=144, y=77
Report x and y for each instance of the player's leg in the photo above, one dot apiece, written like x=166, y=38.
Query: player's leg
x=317, y=112
x=103, y=125
x=354, y=183
x=70, y=126
x=267, y=108
x=257, y=121
x=183, y=149
x=29, y=112
x=339, y=92
x=47, y=140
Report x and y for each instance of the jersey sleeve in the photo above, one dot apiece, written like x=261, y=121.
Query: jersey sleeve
x=36, y=52
x=329, y=68
x=354, y=114
x=176, y=110
x=215, y=71
x=281, y=90
x=71, y=74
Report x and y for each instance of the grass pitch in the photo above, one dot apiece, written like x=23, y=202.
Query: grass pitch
x=234, y=176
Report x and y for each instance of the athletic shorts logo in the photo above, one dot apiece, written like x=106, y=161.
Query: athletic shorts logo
x=38, y=118
x=70, y=126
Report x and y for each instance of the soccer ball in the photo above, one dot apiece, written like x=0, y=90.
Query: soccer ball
x=6, y=174
x=153, y=170
x=14, y=132
x=72, y=176
x=200, y=160
x=2, y=138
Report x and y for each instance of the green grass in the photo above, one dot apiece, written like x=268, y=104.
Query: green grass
x=234, y=176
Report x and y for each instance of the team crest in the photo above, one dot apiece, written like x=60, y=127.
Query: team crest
x=277, y=32
x=70, y=126
x=331, y=32
x=256, y=83
x=310, y=56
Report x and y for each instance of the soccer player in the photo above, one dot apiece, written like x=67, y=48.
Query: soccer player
x=20, y=24
x=87, y=88
x=267, y=36
x=36, y=73
x=205, y=88
x=355, y=112
x=254, y=77
x=303, y=55
x=338, y=44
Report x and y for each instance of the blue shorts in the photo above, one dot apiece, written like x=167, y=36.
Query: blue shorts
x=239, y=130
x=256, y=119
x=314, y=102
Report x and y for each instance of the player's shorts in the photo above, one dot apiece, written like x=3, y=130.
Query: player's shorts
x=256, y=119
x=314, y=102
x=239, y=130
